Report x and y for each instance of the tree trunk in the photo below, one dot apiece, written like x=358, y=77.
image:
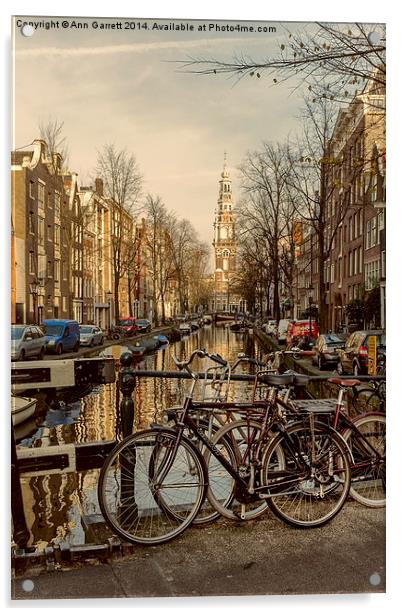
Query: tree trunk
x=116, y=298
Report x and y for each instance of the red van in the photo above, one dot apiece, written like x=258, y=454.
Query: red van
x=301, y=328
x=127, y=326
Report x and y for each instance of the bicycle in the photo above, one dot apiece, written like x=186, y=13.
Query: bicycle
x=365, y=437
x=210, y=417
x=153, y=483
x=370, y=395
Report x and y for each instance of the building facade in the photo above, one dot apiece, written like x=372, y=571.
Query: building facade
x=40, y=266
x=354, y=266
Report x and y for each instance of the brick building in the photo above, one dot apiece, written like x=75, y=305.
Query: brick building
x=354, y=219
x=40, y=271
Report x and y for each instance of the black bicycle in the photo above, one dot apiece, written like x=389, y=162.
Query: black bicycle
x=154, y=483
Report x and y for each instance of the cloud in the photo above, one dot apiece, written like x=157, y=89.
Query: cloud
x=130, y=48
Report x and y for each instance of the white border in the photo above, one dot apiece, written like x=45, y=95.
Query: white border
x=338, y=10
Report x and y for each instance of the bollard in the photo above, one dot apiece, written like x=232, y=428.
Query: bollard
x=127, y=386
x=20, y=530
x=128, y=508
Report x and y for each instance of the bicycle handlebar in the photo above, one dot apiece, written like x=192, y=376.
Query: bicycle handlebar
x=200, y=353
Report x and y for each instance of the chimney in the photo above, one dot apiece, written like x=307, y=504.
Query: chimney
x=99, y=187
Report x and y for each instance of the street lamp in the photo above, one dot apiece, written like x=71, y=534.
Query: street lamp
x=33, y=289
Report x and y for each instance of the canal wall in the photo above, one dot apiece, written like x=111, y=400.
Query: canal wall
x=317, y=389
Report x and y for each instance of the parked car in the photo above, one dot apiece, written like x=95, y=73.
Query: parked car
x=127, y=326
x=27, y=341
x=143, y=325
x=61, y=335
x=282, y=330
x=326, y=352
x=353, y=358
x=91, y=335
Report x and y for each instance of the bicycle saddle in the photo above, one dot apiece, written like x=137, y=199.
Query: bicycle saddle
x=344, y=382
x=278, y=379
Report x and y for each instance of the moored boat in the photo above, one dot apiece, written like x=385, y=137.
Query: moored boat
x=22, y=409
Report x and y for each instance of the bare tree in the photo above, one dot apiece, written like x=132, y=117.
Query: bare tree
x=159, y=245
x=51, y=131
x=122, y=182
x=265, y=209
x=332, y=59
x=183, y=238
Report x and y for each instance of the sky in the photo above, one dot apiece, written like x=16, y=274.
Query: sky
x=87, y=129
x=125, y=87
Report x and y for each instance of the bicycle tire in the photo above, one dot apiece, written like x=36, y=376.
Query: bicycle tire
x=238, y=435
x=126, y=491
x=365, y=398
x=368, y=471
x=308, y=500
x=207, y=512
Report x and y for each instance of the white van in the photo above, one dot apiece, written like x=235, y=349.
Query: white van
x=282, y=330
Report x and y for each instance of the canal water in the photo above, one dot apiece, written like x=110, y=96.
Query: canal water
x=61, y=507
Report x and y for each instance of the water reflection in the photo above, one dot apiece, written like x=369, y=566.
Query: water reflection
x=55, y=504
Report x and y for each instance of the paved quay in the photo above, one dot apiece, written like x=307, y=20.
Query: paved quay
x=264, y=557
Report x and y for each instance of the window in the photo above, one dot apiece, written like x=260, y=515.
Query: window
x=351, y=263
x=41, y=195
x=41, y=230
x=49, y=233
x=356, y=261
x=57, y=235
x=31, y=223
x=381, y=220
x=371, y=232
x=360, y=260
x=32, y=262
x=32, y=189
x=42, y=263
x=57, y=204
x=57, y=270
x=49, y=269
x=371, y=274
x=64, y=269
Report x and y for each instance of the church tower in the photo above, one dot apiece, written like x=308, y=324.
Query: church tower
x=224, y=244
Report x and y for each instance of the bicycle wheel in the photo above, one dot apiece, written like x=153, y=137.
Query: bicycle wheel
x=303, y=492
x=209, y=423
x=137, y=500
x=207, y=512
x=216, y=473
x=235, y=442
x=368, y=399
x=368, y=465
